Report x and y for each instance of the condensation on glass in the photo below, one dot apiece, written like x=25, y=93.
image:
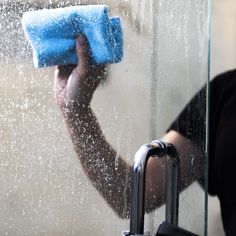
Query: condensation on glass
x=180, y=71
x=44, y=190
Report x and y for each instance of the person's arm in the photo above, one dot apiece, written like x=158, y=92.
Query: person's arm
x=74, y=87
x=110, y=174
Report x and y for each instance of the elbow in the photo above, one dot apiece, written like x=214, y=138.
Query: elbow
x=121, y=208
x=153, y=201
x=122, y=212
x=123, y=216
x=151, y=206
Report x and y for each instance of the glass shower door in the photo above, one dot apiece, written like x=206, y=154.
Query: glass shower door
x=44, y=189
x=180, y=94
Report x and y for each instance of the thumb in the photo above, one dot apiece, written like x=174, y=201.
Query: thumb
x=84, y=55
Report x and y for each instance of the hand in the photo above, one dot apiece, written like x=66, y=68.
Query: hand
x=77, y=83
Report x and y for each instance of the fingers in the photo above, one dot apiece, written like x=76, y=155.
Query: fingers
x=63, y=72
x=82, y=49
x=85, y=68
x=84, y=55
x=83, y=52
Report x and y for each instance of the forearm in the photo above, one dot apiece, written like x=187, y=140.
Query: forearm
x=106, y=170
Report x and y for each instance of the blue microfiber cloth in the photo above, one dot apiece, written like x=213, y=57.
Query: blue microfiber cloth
x=52, y=34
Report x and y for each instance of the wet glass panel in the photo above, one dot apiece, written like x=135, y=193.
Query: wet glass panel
x=180, y=71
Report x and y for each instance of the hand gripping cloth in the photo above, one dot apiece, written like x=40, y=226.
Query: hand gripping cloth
x=52, y=34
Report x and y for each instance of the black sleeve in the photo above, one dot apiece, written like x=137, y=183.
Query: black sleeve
x=222, y=142
x=191, y=122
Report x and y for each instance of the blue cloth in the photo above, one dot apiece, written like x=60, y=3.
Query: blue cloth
x=52, y=34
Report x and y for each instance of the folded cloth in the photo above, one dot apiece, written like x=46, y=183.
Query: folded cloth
x=52, y=34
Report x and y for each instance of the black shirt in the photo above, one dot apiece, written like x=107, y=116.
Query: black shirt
x=222, y=140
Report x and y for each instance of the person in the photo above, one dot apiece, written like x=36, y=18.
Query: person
x=74, y=86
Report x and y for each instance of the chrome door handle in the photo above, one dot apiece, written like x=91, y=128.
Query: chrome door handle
x=155, y=149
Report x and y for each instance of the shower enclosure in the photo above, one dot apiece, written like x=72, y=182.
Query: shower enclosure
x=44, y=190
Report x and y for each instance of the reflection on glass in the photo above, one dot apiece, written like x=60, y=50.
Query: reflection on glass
x=45, y=190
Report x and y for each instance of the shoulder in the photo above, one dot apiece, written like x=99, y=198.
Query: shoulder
x=224, y=78
x=223, y=85
x=227, y=74
x=223, y=97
